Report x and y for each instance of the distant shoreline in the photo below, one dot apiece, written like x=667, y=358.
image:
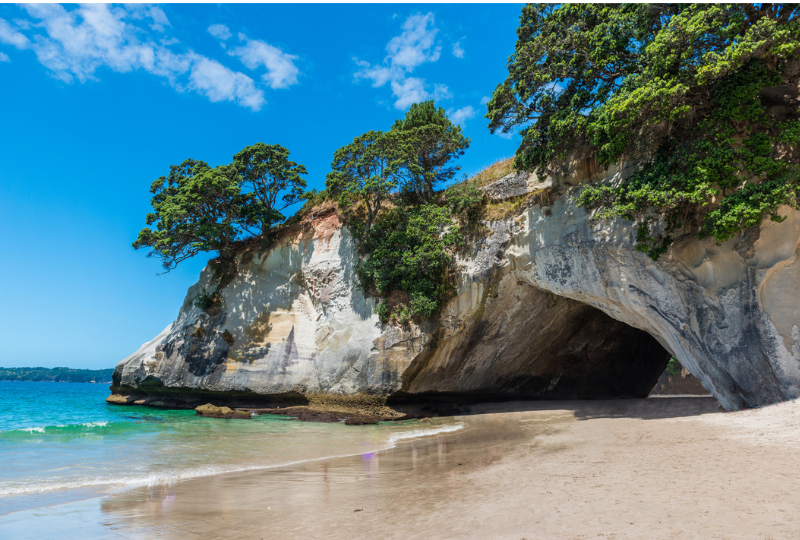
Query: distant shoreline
x=68, y=382
x=57, y=374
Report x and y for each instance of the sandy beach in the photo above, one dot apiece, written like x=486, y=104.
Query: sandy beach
x=655, y=468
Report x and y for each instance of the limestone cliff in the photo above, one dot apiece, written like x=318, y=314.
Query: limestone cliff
x=549, y=304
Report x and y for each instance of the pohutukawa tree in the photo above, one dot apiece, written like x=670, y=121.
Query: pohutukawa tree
x=197, y=208
x=368, y=170
x=271, y=181
x=432, y=142
x=703, y=96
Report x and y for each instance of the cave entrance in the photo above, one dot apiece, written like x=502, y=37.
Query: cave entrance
x=531, y=344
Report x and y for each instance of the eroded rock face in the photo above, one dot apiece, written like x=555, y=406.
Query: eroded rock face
x=522, y=342
x=549, y=304
x=726, y=312
x=293, y=322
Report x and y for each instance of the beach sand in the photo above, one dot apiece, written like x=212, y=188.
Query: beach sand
x=650, y=469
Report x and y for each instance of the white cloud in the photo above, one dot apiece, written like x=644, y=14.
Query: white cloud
x=485, y=100
x=458, y=52
x=219, y=83
x=4, y=57
x=160, y=20
x=379, y=75
x=412, y=90
x=75, y=44
x=281, y=71
x=219, y=31
x=155, y=14
x=415, y=45
x=10, y=36
x=459, y=116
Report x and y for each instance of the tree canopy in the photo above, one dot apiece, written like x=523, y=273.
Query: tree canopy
x=197, y=208
x=704, y=96
x=368, y=170
x=432, y=142
x=271, y=180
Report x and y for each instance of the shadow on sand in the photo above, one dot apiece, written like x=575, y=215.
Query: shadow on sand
x=653, y=408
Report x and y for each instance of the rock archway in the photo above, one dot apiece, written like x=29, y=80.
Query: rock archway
x=521, y=342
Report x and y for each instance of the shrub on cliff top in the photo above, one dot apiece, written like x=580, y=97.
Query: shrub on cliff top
x=704, y=95
x=411, y=250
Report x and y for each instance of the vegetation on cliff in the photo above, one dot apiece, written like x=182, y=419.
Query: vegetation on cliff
x=200, y=208
x=59, y=374
x=385, y=183
x=703, y=95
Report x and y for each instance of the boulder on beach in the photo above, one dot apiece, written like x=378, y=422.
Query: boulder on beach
x=212, y=411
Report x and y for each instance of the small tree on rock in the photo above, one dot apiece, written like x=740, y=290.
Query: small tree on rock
x=196, y=208
x=431, y=141
x=271, y=182
x=366, y=169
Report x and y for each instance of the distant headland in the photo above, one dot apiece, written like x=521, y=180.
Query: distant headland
x=57, y=374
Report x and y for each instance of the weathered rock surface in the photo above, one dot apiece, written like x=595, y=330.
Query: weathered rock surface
x=212, y=411
x=549, y=304
x=515, y=184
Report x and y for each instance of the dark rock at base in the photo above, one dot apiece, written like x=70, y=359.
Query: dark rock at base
x=210, y=411
x=305, y=414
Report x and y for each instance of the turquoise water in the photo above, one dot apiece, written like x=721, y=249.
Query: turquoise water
x=62, y=442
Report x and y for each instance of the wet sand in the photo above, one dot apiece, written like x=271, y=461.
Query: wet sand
x=656, y=468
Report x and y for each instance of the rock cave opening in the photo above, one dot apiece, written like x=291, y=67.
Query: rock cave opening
x=535, y=345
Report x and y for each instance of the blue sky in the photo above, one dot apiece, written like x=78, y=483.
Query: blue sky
x=97, y=101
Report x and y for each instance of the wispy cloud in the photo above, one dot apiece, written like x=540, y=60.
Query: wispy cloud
x=412, y=90
x=415, y=45
x=281, y=71
x=219, y=83
x=485, y=100
x=76, y=44
x=219, y=31
x=458, y=52
x=10, y=36
x=459, y=116
x=4, y=57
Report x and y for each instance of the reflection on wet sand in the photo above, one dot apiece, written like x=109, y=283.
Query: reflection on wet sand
x=622, y=469
x=280, y=503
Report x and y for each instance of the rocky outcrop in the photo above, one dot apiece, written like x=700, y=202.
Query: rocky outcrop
x=515, y=184
x=550, y=304
x=212, y=411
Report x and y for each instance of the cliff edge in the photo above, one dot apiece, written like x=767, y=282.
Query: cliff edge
x=549, y=304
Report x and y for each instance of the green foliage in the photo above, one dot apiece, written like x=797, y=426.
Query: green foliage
x=58, y=374
x=382, y=309
x=431, y=141
x=702, y=94
x=367, y=170
x=410, y=243
x=673, y=367
x=271, y=181
x=464, y=199
x=411, y=250
x=204, y=300
x=198, y=208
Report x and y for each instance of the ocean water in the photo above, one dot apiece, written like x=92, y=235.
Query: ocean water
x=61, y=442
